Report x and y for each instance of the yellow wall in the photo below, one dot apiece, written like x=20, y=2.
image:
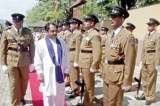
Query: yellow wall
x=139, y=17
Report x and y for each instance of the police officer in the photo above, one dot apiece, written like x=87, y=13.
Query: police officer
x=90, y=56
x=74, y=47
x=130, y=27
x=150, y=61
x=17, y=52
x=119, y=57
x=65, y=36
x=103, y=34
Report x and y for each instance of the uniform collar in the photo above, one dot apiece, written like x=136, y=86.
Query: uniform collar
x=116, y=31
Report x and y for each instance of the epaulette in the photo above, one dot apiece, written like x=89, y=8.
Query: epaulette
x=7, y=28
x=27, y=28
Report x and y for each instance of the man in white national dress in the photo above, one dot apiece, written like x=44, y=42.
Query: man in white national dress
x=52, y=65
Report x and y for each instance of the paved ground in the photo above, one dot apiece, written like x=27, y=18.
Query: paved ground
x=129, y=99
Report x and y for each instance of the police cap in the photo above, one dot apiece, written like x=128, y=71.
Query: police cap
x=8, y=23
x=66, y=22
x=75, y=20
x=17, y=16
x=153, y=21
x=104, y=29
x=130, y=25
x=120, y=11
x=92, y=17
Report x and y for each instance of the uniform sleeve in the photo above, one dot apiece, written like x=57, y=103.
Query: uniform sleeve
x=130, y=58
x=157, y=53
x=4, y=44
x=66, y=59
x=77, y=51
x=96, y=50
x=32, y=48
x=38, y=59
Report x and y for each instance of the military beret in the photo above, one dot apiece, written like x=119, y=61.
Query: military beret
x=75, y=20
x=130, y=25
x=153, y=21
x=120, y=11
x=66, y=22
x=92, y=17
x=8, y=23
x=104, y=29
x=17, y=16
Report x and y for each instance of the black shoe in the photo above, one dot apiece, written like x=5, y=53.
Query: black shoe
x=148, y=102
x=69, y=92
x=73, y=95
x=141, y=98
x=67, y=84
x=23, y=101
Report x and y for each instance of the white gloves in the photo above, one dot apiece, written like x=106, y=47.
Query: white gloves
x=93, y=70
x=140, y=65
x=157, y=68
x=4, y=69
x=125, y=88
x=75, y=64
x=31, y=68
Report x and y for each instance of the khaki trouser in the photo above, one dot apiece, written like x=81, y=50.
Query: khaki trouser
x=18, y=81
x=74, y=75
x=89, y=86
x=113, y=95
x=149, y=77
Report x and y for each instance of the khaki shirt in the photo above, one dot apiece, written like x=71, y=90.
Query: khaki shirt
x=74, y=45
x=14, y=58
x=151, y=43
x=65, y=36
x=91, y=44
x=119, y=48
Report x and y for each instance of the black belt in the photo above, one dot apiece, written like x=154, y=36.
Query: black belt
x=18, y=50
x=86, y=51
x=116, y=62
x=72, y=49
x=151, y=51
x=103, y=45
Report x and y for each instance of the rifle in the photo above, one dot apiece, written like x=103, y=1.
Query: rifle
x=138, y=83
x=81, y=84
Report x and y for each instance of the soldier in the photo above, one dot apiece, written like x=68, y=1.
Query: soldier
x=130, y=27
x=60, y=31
x=74, y=48
x=103, y=34
x=17, y=52
x=119, y=59
x=64, y=36
x=90, y=56
x=150, y=61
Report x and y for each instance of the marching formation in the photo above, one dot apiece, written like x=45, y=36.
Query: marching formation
x=69, y=53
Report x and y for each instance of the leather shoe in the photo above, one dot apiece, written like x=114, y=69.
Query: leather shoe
x=141, y=98
x=73, y=95
x=148, y=102
x=69, y=92
x=23, y=101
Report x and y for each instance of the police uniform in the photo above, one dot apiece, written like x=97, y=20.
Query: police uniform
x=119, y=60
x=74, y=48
x=129, y=26
x=103, y=40
x=89, y=59
x=17, y=52
x=65, y=36
x=150, y=59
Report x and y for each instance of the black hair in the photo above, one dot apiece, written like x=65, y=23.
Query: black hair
x=46, y=27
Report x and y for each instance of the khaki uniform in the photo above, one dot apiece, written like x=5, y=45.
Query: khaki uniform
x=74, y=48
x=16, y=61
x=89, y=58
x=103, y=40
x=119, y=60
x=150, y=59
x=65, y=36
